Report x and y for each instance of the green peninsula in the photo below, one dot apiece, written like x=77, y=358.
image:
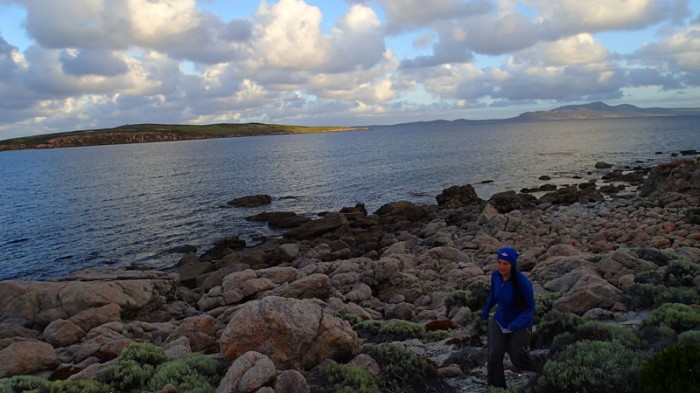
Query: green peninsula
x=144, y=133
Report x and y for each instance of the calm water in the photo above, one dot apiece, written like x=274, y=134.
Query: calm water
x=67, y=209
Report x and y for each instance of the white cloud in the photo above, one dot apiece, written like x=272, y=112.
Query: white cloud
x=679, y=51
x=579, y=49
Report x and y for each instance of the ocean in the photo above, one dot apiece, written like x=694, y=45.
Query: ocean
x=68, y=209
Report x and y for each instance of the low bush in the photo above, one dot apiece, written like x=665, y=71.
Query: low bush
x=34, y=384
x=192, y=373
x=690, y=336
x=692, y=215
x=596, y=331
x=474, y=296
x=552, y=324
x=143, y=353
x=128, y=375
x=80, y=386
x=23, y=383
x=675, y=369
x=543, y=304
x=643, y=296
x=681, y=273
x=395, y=330
x=679, y=317
x=592, y=366
x=352, y=318
x=334, y=377
x=401, y=368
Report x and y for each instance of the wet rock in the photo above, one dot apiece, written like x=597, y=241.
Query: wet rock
x=250, y=201
x=456, y=196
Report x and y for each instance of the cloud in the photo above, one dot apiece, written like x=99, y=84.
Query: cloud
x=579, y=49
x=93, y=62
x=405, y=15
x=679, y=51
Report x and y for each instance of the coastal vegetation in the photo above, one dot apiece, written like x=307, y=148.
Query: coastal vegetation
x=143, y=133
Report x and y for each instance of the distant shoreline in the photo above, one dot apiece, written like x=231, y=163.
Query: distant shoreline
x=149, y=133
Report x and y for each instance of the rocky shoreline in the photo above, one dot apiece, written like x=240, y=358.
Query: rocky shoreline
x=349, y=283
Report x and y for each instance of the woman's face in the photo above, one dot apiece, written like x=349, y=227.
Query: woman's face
x=504, y=268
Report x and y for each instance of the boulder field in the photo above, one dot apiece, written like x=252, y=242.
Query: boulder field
x=274, y=311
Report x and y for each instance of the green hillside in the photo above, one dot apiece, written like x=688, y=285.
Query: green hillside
x=143, y=133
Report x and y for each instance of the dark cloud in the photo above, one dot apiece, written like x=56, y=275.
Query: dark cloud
x=93, y=62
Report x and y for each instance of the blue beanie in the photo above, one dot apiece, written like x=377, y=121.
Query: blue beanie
x=510, y=255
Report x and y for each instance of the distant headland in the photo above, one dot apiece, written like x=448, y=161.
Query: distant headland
x=143, y=133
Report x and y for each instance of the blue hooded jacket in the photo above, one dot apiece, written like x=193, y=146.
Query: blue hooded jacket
x=508, y=315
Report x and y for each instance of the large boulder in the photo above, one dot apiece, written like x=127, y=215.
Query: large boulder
x=26, y=357
x=457, y=196
x=681, y=176
x=292, y=333
x=248, y=374
x=136, y=293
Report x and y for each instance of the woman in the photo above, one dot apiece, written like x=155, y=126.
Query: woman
x=511, y=324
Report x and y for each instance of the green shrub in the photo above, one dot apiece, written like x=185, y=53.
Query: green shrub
x=681, y=273
x=690, y=336
x=692, y=215
x=127, y=375
x=679, y=317
x=348, y=379
x=657, y=256
x=143, y=353
x=458, y=299
x=643, y=296
x=194, y=373
x=437, y=335
x=399, y=330
x=352, y=318
x=674, y=369
x=400, y=367
x=23, y=383
x=552, y=324
x=396, y=330
x=592, y=366
x=80, y=386
x=596, y=331
x=543, y=304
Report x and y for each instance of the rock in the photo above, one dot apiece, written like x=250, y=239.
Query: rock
x=191, y=272
x=135, y=292
x=61, y=333
x=27, y=357
x=222, y=248
x=247, y=374
x=293, y=333
x=288, y=252
x=367, y=363
x=602, y=165
x=280, y=219
x=200, y=332
x=508, y=201
x=458, y=196
x=315, y=286
x=402, y=310
x=250, y=201
x=394, y=212
x=291, y=381
x=570, y=195
x=581, y=290
x=96, y=316
x=315, y=228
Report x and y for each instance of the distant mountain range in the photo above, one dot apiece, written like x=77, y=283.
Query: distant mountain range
x=143, y=133
x=600, y=110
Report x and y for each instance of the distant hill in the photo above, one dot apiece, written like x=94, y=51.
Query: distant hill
x=143, y=133
x=600, y=110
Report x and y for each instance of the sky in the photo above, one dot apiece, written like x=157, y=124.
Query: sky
x=84, y=64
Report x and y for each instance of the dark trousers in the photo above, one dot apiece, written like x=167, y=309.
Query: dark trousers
x=515, y=343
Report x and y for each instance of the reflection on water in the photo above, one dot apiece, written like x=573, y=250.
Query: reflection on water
x=67, y=209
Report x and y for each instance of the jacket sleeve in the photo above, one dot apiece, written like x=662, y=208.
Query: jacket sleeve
x=490, y=303
x=524, y=319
